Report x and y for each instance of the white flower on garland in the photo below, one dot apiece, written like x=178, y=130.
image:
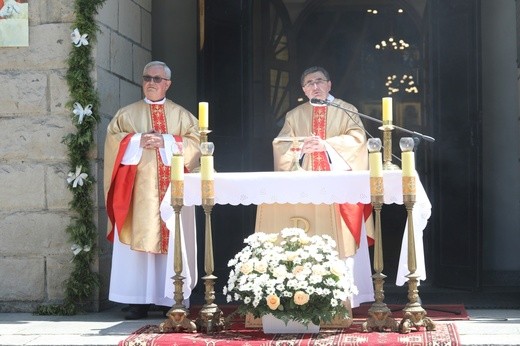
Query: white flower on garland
x=292, y=276
x=78, y=39
x=77, y=178
x=76, y=249
x=81, y=112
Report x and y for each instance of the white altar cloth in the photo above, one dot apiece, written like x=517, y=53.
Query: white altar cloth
x=329, y=187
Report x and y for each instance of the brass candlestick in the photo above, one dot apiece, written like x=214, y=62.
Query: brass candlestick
x=177, y=321
x=210, y=317
x=379, y=314
x=414, y=314
x=387, y=129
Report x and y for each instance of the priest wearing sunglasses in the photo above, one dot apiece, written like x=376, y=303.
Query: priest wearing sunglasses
x=141, y=139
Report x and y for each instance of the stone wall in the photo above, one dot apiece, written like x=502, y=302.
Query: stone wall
x=123, y=49
x=34, y=248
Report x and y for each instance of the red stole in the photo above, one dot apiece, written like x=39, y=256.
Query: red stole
x=352, y=214
x=163, y=171
x=320, y=160
x=120, y=193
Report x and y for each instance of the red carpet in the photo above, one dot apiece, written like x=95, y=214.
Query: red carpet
x=445, y=334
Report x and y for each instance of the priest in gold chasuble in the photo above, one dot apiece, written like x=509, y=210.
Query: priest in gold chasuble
x=141, y=139
x=331, y=139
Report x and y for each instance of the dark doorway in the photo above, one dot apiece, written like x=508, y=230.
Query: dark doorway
x=250, y=65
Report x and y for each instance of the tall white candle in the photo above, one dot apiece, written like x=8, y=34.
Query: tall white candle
x=203, y=115
x=206, y=167
x=375, y=164
x=387, y=109
x=408, y=163
x=177, y=167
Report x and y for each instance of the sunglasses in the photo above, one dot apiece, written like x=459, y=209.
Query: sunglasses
x=156, y=79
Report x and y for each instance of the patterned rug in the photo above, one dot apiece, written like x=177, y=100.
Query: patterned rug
x=445, y=334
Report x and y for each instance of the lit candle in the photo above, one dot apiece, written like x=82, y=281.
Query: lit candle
x=203, y=115
x=408, y=163
x=206, y=167
x=387, y=109
x=177, y=167
x=376, y=165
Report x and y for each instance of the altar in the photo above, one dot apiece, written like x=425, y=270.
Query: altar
x=258, y=188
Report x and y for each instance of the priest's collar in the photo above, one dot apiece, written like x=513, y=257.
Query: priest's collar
x=160, y=102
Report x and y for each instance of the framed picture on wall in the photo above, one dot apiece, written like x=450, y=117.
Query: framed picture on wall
x=14, y=23
x=409, y=115
x=373, y=109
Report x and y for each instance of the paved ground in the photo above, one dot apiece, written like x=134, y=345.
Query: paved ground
x=485, y=327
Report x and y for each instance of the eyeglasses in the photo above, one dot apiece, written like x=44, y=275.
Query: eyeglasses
x=156, y=79
x=318, y=81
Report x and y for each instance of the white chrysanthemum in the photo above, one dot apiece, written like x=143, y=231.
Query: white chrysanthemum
x=256, y=301
x=280, y=287
x=340, y=295
x=280, y=272
x=315, y=279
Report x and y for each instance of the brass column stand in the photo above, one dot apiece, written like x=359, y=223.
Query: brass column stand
x=210, y=317
x=414, y=314
x=387, y=129
x=177, y=321
x=379, y=314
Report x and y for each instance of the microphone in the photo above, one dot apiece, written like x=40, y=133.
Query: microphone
x=319, y=102
x=328, y=103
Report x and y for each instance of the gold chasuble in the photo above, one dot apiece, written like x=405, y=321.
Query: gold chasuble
x=133, y=199
x=346, y=136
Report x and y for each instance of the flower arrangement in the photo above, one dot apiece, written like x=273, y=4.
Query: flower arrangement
x=292, y=276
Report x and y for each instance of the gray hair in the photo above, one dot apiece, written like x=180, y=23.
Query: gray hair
x=312, y=70
x=165, y=67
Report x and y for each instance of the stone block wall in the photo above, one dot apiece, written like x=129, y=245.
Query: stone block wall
x=35, y=251
x=124, y=48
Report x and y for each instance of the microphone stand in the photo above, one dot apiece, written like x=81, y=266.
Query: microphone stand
x=414, y=133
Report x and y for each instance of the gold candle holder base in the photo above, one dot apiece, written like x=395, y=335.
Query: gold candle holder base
x=380, y=319
x=177, y=321
x=211, y=319
x=414, y=314
x=379, y=314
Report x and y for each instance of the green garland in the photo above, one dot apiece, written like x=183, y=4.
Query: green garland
x=84, y=104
